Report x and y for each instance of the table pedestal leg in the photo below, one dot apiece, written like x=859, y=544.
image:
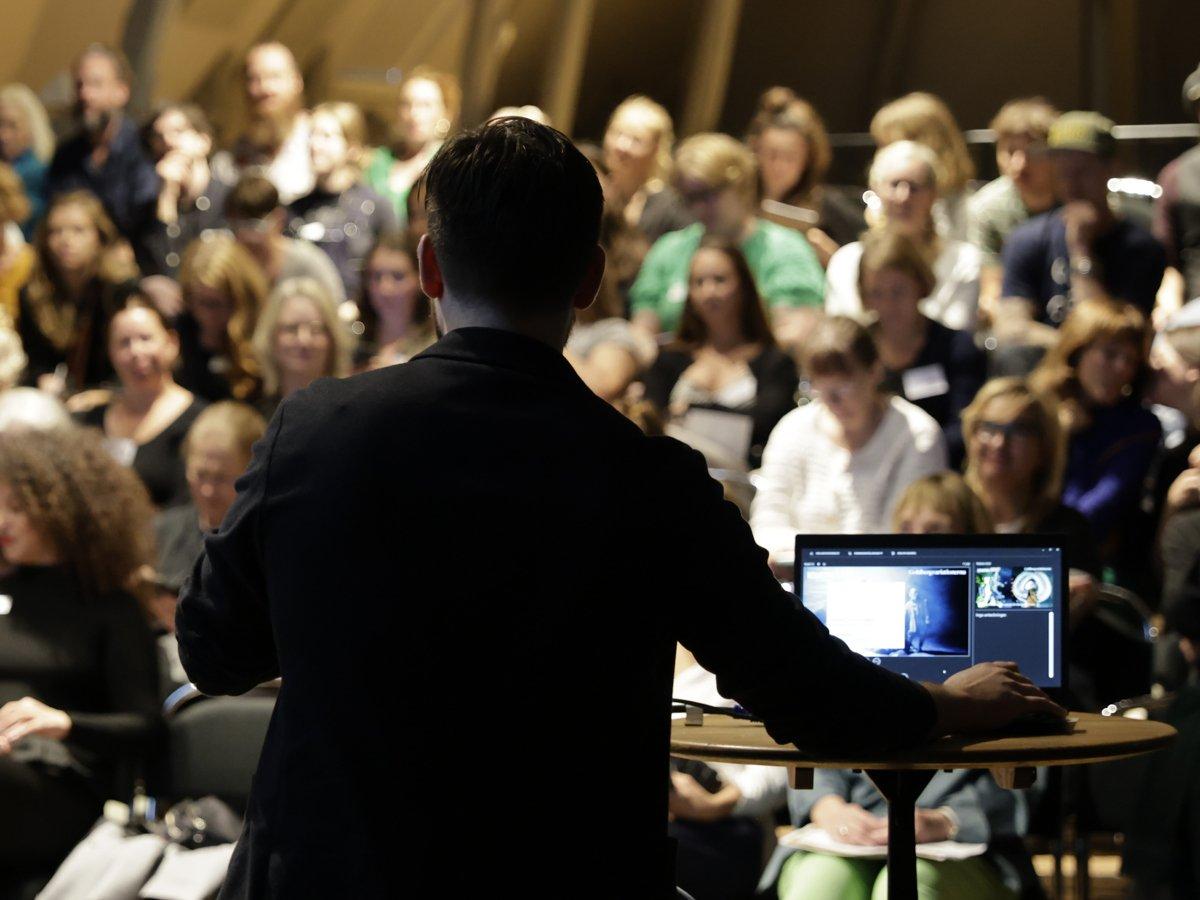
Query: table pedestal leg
x=901, y=788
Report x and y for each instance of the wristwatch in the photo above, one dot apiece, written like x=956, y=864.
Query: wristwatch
x=1082, y=265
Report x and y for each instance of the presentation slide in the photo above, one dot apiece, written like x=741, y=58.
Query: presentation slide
x=894, y=610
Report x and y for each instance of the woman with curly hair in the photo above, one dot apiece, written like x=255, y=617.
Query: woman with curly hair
x=78, y=672
x=78, y=280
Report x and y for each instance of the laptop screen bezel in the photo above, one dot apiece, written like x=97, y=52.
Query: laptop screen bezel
x=952, y=541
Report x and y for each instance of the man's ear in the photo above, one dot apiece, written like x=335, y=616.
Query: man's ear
x=430, y=270
x=585, y=294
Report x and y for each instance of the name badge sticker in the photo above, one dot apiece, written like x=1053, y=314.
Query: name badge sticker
x=924, y=382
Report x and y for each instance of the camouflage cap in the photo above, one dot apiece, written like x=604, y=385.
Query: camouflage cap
x=1088, y=132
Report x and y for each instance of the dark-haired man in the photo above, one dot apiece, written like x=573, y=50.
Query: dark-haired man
x=106, y=156
x=435, y=558
x=253, y=212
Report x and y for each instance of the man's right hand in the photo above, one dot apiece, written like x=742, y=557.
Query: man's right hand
x=987, y=697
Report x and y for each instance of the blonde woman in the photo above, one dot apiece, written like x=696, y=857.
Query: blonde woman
x=638, y=141
x=299, y=339
x=425, y=116
x=925, y=118
x=223, y=293
x=341, y=215
x=26, y=144
x=904, y=176
x=16, y=256
x=718, y=179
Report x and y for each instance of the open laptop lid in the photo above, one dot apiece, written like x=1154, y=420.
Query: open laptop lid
x=928, y=606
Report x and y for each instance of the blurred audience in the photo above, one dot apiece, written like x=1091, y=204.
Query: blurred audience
x=904, y=178
x=840, y=463
x=258, y=221
x=937, y=368
x=716, y=177
x=275, y=142
x=16, y=256
x=724, y=356
x=26, y=144
x=145, y=420
x=1080, y=251
x=79, y=279
x=223, y=291
x=793, y=153
x=299, y=338
x=925, y=118
x=1024, y=189
x=426, y=113
x=341, y=215
x=106, y=156
x=194, y=183
x=395, y=318
x=79, y=701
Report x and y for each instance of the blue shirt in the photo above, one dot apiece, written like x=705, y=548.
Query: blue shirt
x=1128, y=259
x=126, y=183
x=32, y=172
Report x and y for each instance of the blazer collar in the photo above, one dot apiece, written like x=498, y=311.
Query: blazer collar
x=505, y=349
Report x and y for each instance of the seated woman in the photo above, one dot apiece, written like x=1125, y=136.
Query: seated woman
x=638, y=141
x=299, y=339
x=904, y=178
x=341, y=215
x=78, y=672
x=145, y=421
x=717, y=178
x=78, y=280
x=216, y=452
x=942, y=503
x=223, y=293
x=1097, y=371
x=395, y=318
x=840, y=463
x=16, y=256
x=792, y=147
x=724, y=355
x=937, y=368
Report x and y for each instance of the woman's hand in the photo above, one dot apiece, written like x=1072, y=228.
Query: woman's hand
x=933, y=825
x=1184, y=490
x=690, y=800
x=21, y=718
x=849, y=822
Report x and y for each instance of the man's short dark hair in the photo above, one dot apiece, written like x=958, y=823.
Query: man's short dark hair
x=253, y=197
x=514, y=214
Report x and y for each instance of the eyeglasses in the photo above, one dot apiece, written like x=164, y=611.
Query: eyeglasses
x=293, y=329
x=1016, y=430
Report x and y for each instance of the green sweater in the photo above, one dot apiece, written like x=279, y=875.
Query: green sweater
x=786, y=270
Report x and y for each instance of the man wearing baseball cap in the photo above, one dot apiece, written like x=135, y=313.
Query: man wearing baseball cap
x=1177, y=214
x=1082, y=249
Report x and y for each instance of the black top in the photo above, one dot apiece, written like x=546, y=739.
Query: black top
x=436, y=558
x=777, y=379
x=86, y=356
x=663, y=211
x=1129, y=262
x=126, y=184
x=943, y=380
x=159, y=247
x=159, y=461
x=344, y=225
x=179, y=540
x=204, y=373
x=92, y=657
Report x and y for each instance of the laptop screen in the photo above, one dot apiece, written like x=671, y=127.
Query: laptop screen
x=927, y=606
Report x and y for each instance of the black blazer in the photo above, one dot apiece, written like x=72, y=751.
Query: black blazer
x=471, y=573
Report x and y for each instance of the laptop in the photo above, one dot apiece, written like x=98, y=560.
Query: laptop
x=928, y=606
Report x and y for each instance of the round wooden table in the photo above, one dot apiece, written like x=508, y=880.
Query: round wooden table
x=902, y=776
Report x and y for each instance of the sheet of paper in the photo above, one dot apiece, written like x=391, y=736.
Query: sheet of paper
x=815, y=840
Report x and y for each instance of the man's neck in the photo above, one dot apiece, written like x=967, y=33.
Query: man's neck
x=549, y=330
x=337, y=181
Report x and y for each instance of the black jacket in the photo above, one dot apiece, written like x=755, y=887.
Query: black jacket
x=471, y=573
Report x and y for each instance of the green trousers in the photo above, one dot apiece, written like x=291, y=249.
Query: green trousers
x=818, y=876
